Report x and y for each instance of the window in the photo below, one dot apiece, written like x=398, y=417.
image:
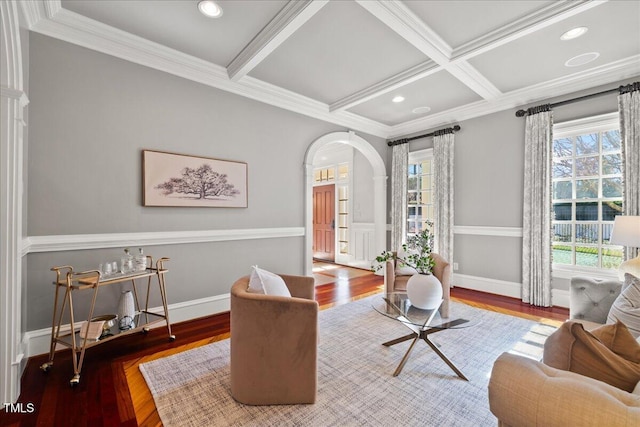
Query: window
x=587, y=192
x=420, y=190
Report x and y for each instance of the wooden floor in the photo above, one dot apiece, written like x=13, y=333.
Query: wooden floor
x=104, y=398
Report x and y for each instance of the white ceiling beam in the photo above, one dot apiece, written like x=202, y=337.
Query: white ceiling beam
x=394, y=82
x=290, y=18
x=536, y=21
x=409, y=26
x=471, y=77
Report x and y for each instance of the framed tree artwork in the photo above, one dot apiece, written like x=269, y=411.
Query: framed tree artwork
x=171, y=179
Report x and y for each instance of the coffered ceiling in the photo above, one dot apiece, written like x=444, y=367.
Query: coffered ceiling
x=344, y=61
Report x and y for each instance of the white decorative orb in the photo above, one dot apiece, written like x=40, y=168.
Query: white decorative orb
x=424, y=291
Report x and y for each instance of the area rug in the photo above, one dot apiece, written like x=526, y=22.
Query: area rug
x=355, y=382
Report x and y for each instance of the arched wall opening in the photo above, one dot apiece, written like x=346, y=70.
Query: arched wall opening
x=379, y=186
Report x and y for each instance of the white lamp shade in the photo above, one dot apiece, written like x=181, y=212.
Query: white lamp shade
x=626, y=231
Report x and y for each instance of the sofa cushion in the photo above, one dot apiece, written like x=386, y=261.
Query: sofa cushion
x=626, y=307
x=618, y=339
x=264, y=282
x=571, y=348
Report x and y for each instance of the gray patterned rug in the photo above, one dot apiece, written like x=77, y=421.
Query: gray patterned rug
x=355, y=383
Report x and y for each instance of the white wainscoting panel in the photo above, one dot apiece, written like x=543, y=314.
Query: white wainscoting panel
x=363, y=243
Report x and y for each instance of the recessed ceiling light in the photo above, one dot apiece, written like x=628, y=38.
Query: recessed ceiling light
x=579, y=60
x=398, y=98
x=210, y=8
x=421, y=110
x=574, y=33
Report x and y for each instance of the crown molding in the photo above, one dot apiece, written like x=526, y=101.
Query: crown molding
x=49, y=18
x=288, y=20
x=605, y=74
x=82, y=31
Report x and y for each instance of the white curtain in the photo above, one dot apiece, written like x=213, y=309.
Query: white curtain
x=536, y=224
x=399, y=171
x=629, y=109
x=443, y=184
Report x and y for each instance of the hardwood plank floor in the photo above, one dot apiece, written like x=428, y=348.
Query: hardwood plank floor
x=104, y=398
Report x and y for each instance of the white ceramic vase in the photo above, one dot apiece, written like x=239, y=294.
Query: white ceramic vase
x=126, y=310
x=424, y=291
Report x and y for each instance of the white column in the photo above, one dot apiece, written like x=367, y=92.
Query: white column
x=308, y=219
x=380, y=213
x=12, y=104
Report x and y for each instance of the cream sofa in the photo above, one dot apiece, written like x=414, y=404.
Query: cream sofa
x=525, y=392
x=274, y=341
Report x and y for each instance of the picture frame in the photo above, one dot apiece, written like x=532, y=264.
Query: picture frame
x=182, y=180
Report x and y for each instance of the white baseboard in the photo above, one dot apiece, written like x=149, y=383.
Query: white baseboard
x=559, y=297
x=38, y=341
x=493, y=286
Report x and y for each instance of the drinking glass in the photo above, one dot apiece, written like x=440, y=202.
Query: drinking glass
x=106, y=268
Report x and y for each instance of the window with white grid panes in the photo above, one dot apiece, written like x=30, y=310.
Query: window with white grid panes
x=587, y=192
x=420, y=190
x=343, y=219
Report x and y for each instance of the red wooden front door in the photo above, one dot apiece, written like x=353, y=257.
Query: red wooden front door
x=324, y=222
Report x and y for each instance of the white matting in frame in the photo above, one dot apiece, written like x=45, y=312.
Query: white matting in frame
x=171, y=179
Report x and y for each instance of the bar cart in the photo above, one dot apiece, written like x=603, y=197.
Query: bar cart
x=74, y=336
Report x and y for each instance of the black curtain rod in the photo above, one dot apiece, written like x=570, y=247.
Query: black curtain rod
x=621, y=90
x=455, y=128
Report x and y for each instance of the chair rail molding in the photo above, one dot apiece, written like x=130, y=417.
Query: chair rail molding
x=72, y=242
x=488, y=231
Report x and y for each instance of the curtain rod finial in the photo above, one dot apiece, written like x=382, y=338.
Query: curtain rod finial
x=521, y=113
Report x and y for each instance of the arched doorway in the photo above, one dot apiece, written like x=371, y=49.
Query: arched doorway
x=379, y=186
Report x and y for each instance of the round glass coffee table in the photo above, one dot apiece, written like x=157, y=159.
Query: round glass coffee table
x=422, y=323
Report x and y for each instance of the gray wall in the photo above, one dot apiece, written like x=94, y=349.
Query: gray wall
x=91, y=115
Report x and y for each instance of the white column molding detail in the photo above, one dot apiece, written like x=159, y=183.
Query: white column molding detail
x=13, y=101
x=290, y=18
x=73, y=242
x=379, y=189
x=488, y=231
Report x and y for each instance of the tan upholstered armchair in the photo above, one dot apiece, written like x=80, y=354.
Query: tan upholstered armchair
x=274, y=343
x=442, y=270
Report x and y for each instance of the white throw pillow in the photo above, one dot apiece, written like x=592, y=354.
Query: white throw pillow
x=264, y=282
x=626, y=308
x=403, y=269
